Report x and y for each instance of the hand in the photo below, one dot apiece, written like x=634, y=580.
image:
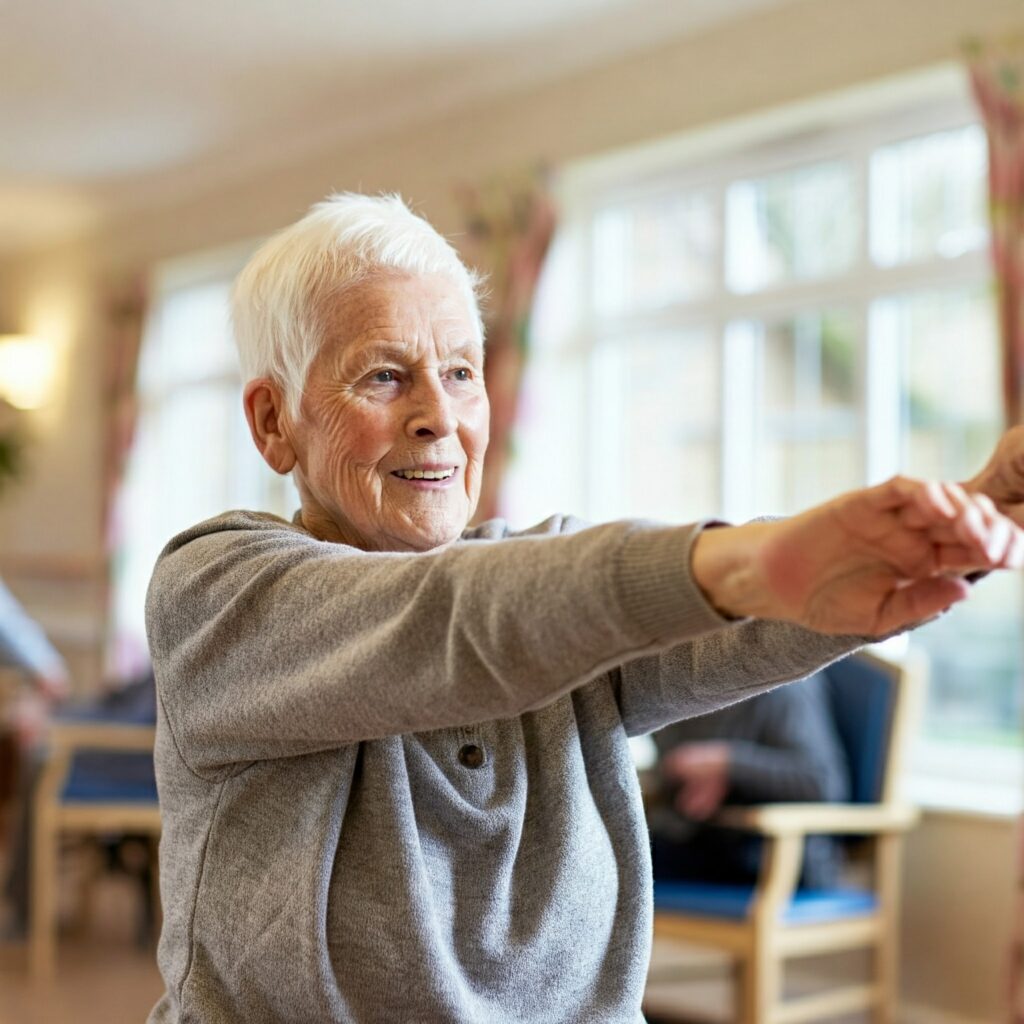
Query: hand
x=29, y=718
x=54, y=685
x=702, y=770
x=1002, y=479
x=869, y=562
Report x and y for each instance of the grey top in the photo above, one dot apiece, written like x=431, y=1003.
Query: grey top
x=331, y=854
x=783, y=746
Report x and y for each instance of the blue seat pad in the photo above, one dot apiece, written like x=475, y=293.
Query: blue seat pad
x=110, y=777
x=808, y=906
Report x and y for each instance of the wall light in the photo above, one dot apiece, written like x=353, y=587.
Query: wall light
x=27, y=366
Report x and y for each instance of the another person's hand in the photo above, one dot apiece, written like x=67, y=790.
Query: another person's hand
x=29, y=719
x=1002, y=478
x=702, y=772
x=54, y=685
x=869, y=562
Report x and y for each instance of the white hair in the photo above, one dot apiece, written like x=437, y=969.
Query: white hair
x=282, y=296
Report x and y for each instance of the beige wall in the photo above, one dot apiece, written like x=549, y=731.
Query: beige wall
x=957, y=918
x=959, y=895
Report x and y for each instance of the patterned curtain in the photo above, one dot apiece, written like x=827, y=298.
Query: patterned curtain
x=1016, y=959
x=126, y=317
x=509, y=225
x=997, y=79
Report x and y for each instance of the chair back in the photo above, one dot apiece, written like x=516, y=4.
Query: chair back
x=869, y=698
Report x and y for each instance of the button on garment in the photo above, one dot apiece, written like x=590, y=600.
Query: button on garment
x=471, y=755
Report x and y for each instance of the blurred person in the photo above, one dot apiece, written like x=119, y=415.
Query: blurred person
x=25, y=647
x=129, y=702
x=392, y=749
x=776, y=747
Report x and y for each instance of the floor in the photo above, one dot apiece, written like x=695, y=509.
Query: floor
x=103, y=977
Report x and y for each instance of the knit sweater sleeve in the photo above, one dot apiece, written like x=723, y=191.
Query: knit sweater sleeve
x=720, y=668
x=268, y=643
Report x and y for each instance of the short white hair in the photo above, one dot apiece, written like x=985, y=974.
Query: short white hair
x=282, y=296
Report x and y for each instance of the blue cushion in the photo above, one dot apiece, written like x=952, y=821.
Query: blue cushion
x=862, y=698
x=110, y=777
x=808, y=906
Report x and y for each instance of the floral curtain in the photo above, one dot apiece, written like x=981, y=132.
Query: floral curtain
x=509, y=225
x=997, y=80
x=125, y=319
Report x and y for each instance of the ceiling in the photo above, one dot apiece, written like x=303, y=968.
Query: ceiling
x=106, y=102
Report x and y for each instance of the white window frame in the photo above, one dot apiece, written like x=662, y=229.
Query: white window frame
x=217, y=267
x=858, y=122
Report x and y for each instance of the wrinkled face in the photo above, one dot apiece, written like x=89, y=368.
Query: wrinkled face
x=394, y=417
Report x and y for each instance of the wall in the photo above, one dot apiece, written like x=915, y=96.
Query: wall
x=955, y=927
x=959, y=896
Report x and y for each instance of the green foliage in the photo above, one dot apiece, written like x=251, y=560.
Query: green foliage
x=12, y=452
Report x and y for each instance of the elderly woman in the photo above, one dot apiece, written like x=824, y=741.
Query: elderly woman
x=392, y=750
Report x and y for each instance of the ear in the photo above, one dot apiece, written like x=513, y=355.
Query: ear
x=264, y=411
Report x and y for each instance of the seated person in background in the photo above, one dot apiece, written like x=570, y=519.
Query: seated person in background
x=127, y=703
x=25, y=647
x=779, y=746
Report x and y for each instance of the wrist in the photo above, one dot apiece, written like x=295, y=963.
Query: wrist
x=727, y=568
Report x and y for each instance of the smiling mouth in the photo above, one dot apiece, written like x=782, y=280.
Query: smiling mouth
x=425, y=474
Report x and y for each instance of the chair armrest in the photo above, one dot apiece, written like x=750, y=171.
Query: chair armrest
x=829, y=819
x=69, y=736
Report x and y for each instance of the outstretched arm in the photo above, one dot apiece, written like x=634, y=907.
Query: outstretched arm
x=869, y=562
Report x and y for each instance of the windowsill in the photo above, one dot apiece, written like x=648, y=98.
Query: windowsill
x=965, y=798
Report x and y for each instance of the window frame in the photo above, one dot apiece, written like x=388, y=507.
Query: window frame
x=855, y=125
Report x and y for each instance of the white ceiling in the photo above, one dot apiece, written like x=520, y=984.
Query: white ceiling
x=103, y=102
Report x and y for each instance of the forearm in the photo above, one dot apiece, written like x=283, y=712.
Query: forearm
x=726, y=567
x=722, y=668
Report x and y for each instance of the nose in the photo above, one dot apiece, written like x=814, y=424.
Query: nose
x=432, y=411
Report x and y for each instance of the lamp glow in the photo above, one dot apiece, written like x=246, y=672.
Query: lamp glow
x=27, y=367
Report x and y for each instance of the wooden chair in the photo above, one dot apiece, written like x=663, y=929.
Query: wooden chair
x=762, y=927
x=98, y=779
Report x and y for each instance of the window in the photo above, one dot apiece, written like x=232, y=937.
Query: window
x=192, y=457
x=759, y=331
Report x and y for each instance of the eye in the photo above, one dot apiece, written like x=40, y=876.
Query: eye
x=462, y=373
x=383, y=377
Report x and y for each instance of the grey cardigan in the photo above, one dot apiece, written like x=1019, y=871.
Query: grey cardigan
x=397, y=787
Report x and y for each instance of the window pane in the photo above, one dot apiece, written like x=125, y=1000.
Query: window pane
x=192, y=456
x=190, y=339
x=951, y=420
x=951, y=398
x=928, y=196
x=797, y=225
x=655, y=253
x=656, y=433
x=547, y=473
x=809, y=443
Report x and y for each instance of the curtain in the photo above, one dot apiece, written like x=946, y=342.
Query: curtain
x=509, y=226
x=125, y=321
x=997, y=80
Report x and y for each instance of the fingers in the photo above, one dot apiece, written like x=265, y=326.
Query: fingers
x=984, y=537
x=967, y=530
x=928, y=498
x=919, y=600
